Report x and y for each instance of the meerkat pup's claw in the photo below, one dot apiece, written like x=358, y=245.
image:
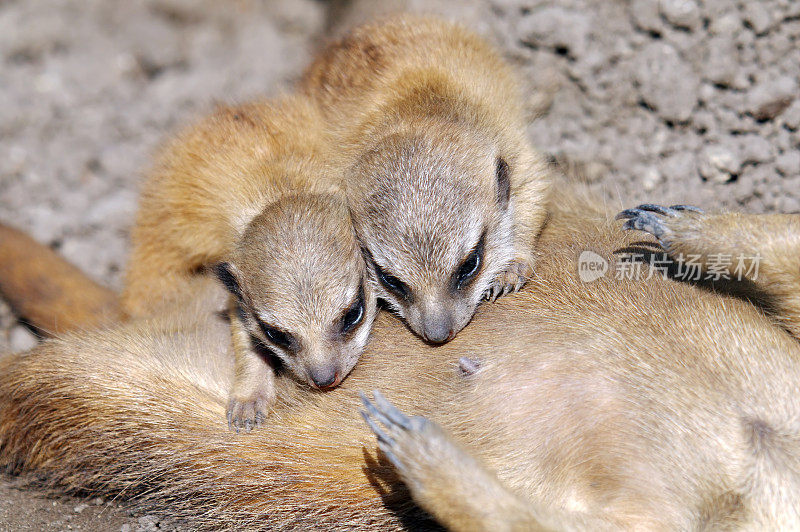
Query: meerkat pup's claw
x=643, y=220
x=245, y=414
x=402, y=437
x=509, y=281
x=690, y=208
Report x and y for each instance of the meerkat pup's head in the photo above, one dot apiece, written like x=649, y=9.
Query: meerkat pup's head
x=433, y=212
x=302, y=287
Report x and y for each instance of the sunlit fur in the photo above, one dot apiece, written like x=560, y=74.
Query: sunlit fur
x=609, y=405
x=421, y=111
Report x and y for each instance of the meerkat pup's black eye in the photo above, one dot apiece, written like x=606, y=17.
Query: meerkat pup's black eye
x=355, y=314
x=276, y=336
x=471, y=265
x=392, y=283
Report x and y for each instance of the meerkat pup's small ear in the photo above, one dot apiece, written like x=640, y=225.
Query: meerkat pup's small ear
x=225, y=272
x=503, y=182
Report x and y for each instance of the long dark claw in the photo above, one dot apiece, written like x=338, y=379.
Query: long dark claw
x=651, y=207
x=386, y=449
x=382, y=436
x=642, y=221
x=689, y=208
x=391, y=411
x=373, y=411
x=627, y=214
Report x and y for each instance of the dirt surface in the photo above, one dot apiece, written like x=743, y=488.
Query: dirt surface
x=692, y=101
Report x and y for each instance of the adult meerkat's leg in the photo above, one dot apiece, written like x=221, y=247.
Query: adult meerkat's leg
x=454, y=486
x=759, y=254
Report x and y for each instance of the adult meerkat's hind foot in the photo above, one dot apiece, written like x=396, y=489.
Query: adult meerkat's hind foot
x=512, y=279
x=443, y=478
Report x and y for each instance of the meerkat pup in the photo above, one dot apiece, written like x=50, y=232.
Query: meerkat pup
x=246, y=194
x=446, y=194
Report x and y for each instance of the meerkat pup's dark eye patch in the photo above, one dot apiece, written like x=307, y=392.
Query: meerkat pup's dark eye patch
x=503, y=181
x=276, y=336
x=392, y=283
x=471, y=265
x=224, y=272
x=354, y=315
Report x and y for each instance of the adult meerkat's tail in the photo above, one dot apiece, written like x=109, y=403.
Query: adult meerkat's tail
x=755, y=255
x=50, y=293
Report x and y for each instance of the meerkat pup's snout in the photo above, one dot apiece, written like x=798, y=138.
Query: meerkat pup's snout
x=299, y=289
x=434, y=216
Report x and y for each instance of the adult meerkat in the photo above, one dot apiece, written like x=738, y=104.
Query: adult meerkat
x=447, y=196
x=592, y=408
x=246, y=193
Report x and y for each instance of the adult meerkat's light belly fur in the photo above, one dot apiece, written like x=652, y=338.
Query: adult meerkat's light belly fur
x=607, y=405
x=247, y=193
x=446, y=193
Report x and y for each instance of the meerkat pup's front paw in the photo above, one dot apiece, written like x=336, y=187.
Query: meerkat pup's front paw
x=246, y=413
x=512, y=279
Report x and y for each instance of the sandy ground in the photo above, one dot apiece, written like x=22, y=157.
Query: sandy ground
x=692, y=101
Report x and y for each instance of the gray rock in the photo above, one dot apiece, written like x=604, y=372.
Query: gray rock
x=788, y=164
x=721, y=63
x=646, y=15
x=679, y=166
x=719, y=163
x=757, y=16
x=666, y=82
x=770, y=98
x=21, y=339
x=791, y=116
x=80, y=508
x=727, y=24
x=147, y=523
x=788, y=204
x=557, y=28
x=782, y=140
x=755, y=149
x=681, y=13
x=125, y=528
x=650, y=177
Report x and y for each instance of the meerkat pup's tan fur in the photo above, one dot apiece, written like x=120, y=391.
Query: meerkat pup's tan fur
x=617, y=404
x=447, y=196
x=247, y=193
